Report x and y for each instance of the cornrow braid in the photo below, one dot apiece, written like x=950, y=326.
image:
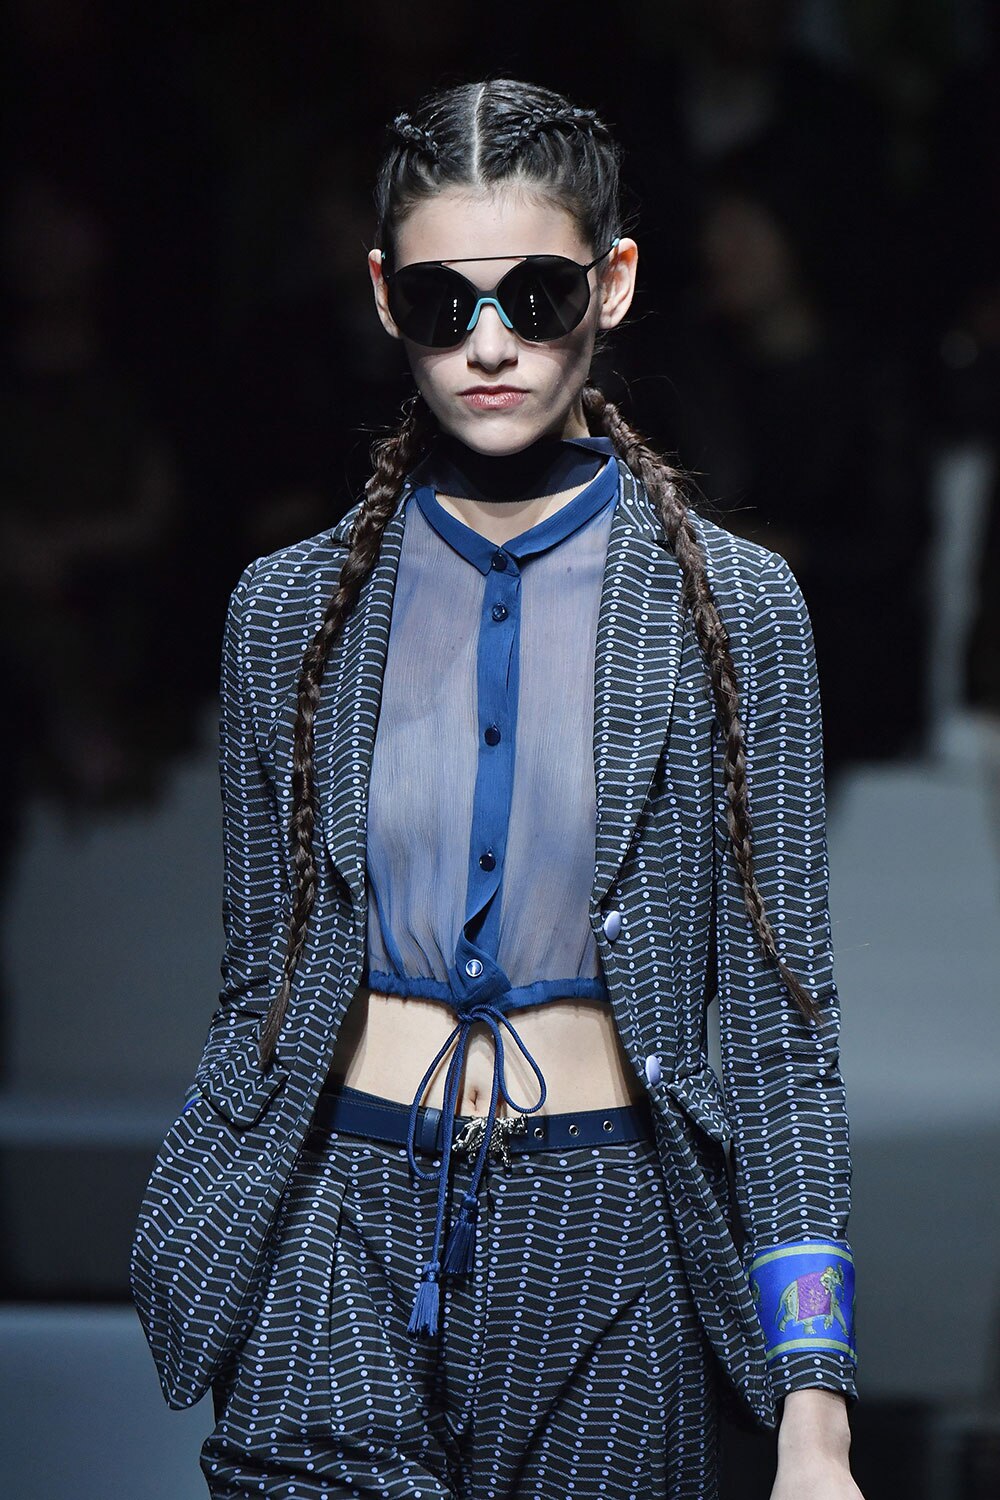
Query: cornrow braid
x=392, y=457
x=534, y=122
x=664, y=486
x=414, y=136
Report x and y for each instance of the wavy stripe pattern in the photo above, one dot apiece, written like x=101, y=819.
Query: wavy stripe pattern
x=571, y=1362
x=204, y=1243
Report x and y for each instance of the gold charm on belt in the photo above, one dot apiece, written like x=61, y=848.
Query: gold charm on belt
x=470, y=1137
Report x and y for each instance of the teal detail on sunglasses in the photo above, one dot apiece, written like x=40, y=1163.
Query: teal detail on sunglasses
x=487, y=302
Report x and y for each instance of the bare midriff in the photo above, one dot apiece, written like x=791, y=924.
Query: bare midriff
x=386, y=1044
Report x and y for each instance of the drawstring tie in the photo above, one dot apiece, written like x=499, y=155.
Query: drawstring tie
x=460, y=1250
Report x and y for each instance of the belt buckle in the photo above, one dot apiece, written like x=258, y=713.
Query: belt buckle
x=470, y=1137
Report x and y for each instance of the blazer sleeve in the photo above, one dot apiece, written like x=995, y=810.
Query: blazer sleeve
x=781, y=1073
x=255, y=881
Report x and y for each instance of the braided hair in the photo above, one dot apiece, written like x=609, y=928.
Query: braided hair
x=480, y=135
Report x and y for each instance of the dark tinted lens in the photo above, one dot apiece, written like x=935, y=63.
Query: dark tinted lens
x=544, y=297
x=431, y=304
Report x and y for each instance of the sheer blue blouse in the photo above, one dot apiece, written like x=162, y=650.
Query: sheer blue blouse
x=482, y=802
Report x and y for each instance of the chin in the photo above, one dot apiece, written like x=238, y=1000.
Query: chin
x=498, y=434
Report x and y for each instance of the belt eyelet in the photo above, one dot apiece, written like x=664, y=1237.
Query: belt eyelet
x=609, y=1125
x=539, y=1132
x=574, y=1130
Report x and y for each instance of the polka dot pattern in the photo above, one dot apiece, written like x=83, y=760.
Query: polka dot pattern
x=571, y=1360
x=681, y=938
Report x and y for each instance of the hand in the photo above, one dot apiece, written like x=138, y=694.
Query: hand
x=814, y=1441
x=814, y=1477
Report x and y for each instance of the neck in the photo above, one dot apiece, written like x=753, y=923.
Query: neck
x=549, y=467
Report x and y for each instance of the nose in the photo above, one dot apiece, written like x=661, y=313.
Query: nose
x=491, y=339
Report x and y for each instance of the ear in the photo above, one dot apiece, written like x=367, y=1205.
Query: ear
x=617, y=283
x=381, y=293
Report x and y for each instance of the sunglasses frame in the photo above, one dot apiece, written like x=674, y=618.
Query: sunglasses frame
x=491, y=298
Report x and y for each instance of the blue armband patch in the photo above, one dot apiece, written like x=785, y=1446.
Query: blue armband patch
x=804, y=1296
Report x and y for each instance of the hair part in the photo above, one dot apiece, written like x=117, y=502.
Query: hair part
x=480, y=135
x=501, y=132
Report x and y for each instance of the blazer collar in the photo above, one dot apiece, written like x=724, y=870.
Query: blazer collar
x=637, y=662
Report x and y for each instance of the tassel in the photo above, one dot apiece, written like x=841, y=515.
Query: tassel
x=424, y=1317
x=461, y=1248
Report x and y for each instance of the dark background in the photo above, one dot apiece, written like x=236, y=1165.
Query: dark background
x=192, y=375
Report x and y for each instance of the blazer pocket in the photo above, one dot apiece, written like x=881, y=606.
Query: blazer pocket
x=237, y=1087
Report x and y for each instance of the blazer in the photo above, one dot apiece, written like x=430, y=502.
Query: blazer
x=757, y=1162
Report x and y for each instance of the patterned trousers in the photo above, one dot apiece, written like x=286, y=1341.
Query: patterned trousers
x=569, y=1363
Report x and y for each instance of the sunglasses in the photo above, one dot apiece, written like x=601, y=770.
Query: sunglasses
x=543, y=297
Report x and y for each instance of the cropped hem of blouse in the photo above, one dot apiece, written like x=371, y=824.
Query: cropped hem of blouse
x=491, y=652
x=519, y=997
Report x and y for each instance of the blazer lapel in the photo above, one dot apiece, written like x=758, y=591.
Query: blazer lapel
x=348, y=711
x=637, y=661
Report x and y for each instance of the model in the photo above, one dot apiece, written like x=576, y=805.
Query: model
x=521, y=770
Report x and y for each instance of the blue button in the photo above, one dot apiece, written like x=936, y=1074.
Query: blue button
x=612, y=925
x=488, y=860
x=653, y=1069
x=500, y=560
x=492, y=735
x=473, y=968
x=499, y=611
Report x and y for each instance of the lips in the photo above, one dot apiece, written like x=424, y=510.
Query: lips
x=493, y=398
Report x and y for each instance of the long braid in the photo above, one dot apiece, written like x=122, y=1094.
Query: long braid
x=392, y=457
x=664, y=485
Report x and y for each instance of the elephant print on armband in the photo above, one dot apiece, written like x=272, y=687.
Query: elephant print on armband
x=816, y=1294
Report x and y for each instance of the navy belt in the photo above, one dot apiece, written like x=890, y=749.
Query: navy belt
x=354, y=1112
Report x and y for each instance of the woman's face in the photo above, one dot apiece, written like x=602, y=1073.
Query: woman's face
x=459, y=223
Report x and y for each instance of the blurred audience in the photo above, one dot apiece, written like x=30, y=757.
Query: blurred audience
x=90, y=511
x=959, y=217
x=718, y=77
x=800, y=430
x=304, y=376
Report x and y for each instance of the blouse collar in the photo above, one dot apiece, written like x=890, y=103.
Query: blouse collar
x=481, y=551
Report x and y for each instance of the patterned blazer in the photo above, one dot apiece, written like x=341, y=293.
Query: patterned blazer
x=757, y=1163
